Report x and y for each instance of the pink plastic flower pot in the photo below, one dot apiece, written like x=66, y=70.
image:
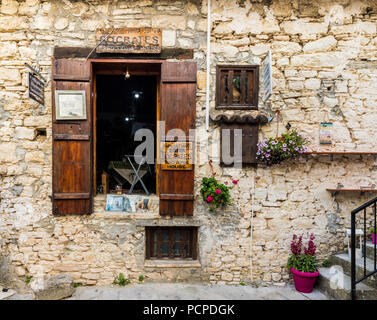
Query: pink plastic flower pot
x=304, y=281
x=373, y=238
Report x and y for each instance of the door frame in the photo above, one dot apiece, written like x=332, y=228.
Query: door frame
x=118, y=67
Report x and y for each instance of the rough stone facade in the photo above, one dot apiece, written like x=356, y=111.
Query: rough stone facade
x=324, y=61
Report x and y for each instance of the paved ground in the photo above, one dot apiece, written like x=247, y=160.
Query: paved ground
x=165, y=291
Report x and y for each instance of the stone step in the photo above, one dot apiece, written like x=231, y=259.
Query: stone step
x=370, y=250
x=337, y=285
x=344, y=261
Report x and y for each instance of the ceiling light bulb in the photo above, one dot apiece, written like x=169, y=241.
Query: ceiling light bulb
x=127, y=75
x=137, y=96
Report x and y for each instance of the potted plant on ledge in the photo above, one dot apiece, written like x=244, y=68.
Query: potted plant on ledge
x=303, y=265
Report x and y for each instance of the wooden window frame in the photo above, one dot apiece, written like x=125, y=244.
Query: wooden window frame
x=243, y=104
x=145, y=67
x=149, y=243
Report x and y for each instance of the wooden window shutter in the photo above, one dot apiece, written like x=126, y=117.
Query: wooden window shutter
x=72, y=143
x=178, y=110
x=249, y=141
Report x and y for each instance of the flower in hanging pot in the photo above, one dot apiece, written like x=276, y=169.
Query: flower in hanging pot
x=303, y=265
x=276, y=150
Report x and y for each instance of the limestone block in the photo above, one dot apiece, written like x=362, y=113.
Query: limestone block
x=35, y=156
x=61, y=23
x=168, y=38
x=303, y=27
x=322, y=44
x=8, y=49
x=12, y=23
x=227, y=276
x=286, y=47
x=244, y=25
x=36, y=121
x=191, y=9
x=363, y=27
x=260, y=49
x=24, y=133
x=8, y=74
x=318, y=60
x=169, y=22
x=298, y=195
x=27, y=53
x=277, y=192
x=42, y=23
x=55, y=287
x=312, y=84
x=8, y=152
x=201, y=80
x=9, y=7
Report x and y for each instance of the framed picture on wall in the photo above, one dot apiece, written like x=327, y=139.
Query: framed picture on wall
x=70, y=104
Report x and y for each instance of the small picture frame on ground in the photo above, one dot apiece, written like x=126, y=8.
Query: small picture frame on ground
x=114, y=202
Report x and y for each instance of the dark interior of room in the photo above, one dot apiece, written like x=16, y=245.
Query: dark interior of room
x=123, y=106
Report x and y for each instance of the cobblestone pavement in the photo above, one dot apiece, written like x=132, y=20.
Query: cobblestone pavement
x=179, y=291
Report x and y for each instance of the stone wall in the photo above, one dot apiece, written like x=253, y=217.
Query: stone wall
x=324, y=62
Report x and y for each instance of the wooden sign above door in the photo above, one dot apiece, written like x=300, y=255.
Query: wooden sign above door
x=129, y=40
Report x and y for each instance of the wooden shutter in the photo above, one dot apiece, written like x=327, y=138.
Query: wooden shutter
x=249, y=141
x=72, y=143
x=178, y=110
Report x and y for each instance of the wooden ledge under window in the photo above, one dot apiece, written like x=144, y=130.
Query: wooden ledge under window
x=123, y=215
x=240, y=119
x=332, y=152
x=172, y=264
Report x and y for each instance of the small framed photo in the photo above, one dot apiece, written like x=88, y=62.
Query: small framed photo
x=114, y=202
x=70, y=104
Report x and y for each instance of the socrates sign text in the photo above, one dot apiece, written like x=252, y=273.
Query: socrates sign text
x=129, y=40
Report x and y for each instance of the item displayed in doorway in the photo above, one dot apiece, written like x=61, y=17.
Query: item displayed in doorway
x=70, y=104
x=118, y=189
x=114, y=202
x=325, y=133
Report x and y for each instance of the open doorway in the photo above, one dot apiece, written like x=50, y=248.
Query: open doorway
x=122, y=107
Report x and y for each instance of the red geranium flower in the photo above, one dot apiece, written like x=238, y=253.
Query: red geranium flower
x=235, y=181
x=209, y=199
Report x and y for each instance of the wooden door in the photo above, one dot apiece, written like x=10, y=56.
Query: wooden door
x=178, y=110
x=72, y=143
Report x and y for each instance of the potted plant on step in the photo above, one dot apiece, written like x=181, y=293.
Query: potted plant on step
x=373, y=233
x=303, y=265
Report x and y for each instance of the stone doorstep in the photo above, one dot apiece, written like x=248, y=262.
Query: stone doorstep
x=6, y=295
x=330, y=285
x=171, y=264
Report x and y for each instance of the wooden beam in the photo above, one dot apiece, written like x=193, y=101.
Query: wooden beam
x=83, y=52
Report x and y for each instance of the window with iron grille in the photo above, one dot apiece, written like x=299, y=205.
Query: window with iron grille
x=237, y=87
x=171, y=242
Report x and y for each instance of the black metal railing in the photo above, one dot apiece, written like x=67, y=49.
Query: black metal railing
x=363, y=221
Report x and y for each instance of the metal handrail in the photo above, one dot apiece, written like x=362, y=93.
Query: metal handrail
x=366, y=275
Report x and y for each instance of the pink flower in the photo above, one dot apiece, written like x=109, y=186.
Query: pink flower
x=209, y=199
x=218, y=191
x=235, y=181
x=226, y=182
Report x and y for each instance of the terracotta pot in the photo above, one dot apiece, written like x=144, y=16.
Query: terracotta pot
x=304, y=281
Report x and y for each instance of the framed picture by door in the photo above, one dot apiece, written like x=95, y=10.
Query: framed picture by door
x=70, y=104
